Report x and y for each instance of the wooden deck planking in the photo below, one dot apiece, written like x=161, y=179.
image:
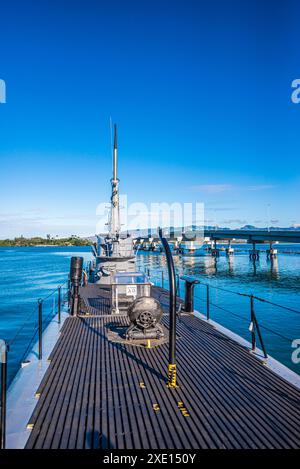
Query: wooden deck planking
x=99, y=394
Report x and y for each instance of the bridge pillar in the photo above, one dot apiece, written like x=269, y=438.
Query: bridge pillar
x=229, y=250
x=215, y=252
x=271, y=253
x=254, y=253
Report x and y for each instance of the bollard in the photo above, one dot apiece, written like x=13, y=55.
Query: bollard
x=190, y=283
x=59, y=304
x=3, y=363
x=40, y=322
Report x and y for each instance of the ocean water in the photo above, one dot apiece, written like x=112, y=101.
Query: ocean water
x=27, y=274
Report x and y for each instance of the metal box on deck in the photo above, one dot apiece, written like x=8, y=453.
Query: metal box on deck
x=126, y=287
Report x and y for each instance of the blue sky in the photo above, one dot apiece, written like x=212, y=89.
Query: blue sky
x=201, y=93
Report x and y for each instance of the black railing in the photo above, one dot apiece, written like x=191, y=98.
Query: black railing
x=39, y=322
x=255, y=328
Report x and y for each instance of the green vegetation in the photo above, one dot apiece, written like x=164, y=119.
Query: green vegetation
x=38, y=241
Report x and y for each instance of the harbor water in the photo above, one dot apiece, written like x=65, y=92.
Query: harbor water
x=27, y=274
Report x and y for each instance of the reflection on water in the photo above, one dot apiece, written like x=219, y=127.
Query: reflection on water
x=276, y=280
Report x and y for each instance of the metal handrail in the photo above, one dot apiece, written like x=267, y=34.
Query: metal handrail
x=253, y=319
x=172, y=376
x=4, y=347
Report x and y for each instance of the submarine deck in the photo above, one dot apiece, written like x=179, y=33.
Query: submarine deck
x=101, y=394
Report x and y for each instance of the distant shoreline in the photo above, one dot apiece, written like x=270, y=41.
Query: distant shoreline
x=44, y=242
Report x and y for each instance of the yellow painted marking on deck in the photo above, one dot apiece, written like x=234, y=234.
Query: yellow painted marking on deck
x=156, y=407
x=148, y=343
x=172, y=376
x=37, y=395
x=142, y=385
x=30, y=426
x=183, y=409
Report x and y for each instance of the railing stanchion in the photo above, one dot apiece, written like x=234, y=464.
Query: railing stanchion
x=255, y=326
x=40, y=321
x=69, y=292
x=207, y=303
x=178, y=286
x=252, y=323
x=162, y=279
x=3, y=362
x=59, y=303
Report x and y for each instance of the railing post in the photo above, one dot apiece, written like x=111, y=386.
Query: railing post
x=207, y=303
x=69, y=292
x=40, y=322
x=162, y=279
x=252, y=324
x=59, y=303
x=3, y=362
x=178, y=286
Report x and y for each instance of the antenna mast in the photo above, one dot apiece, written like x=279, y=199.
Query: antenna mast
x=115, y=208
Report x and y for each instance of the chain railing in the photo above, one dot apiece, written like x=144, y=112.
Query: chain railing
x=36, y=321
x=158, y=278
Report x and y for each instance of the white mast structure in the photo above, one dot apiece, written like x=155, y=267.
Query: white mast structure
x=115, y=226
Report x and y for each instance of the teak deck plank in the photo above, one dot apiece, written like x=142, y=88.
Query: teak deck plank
x=100, y=394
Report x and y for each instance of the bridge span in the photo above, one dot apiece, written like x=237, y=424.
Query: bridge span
x=257, y=236
x=250, y=236
x=212, y=236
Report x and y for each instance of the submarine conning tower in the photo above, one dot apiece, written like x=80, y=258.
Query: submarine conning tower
x=113, y=251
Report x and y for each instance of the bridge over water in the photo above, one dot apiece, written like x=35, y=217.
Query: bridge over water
x=251, y=236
